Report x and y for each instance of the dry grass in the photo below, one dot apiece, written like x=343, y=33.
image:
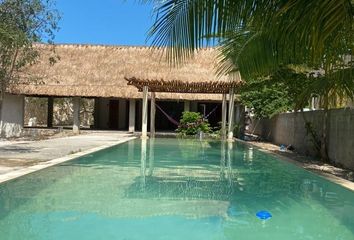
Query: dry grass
x=99, y=71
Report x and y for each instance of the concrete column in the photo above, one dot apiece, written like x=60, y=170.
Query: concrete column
x=144, y=113
x=50, y=112
x=230, y=134
x=152, y=115
x=76, y=125
x=223, y=115
x=132, y=105
x=187, y=106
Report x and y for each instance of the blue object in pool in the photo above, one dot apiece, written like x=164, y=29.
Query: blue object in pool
x=264, y=215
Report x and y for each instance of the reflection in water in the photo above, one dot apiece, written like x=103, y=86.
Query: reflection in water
x=222, y=161
x=229, y=162
x=131, y=149
x=143, y=163
x=248, y=156
x=226, y=171
x=151, y=156
x=189, y=189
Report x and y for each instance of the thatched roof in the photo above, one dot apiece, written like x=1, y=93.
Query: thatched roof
x=176, y=86
x=99, y=71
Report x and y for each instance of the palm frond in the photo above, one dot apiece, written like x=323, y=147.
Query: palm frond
x=184, y=25
x=313, y=30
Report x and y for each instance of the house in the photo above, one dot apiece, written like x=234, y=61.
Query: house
x=100, y=72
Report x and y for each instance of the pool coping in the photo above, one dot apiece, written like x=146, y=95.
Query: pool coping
x=45, y=164
x=340, y=181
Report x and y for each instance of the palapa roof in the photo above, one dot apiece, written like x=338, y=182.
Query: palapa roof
x=100, y=71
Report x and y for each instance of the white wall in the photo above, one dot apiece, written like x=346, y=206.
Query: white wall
x=11, y=124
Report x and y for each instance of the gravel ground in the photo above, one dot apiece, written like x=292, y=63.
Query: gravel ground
x=307, y=163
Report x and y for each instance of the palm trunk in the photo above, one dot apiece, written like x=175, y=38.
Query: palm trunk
x=324, y=152
x=313, y=134
x=2, y=94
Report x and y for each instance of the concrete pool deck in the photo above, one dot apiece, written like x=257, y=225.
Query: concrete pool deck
x=18, y=158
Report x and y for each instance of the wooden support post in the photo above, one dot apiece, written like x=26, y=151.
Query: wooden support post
x=230, y=134
x=144, y=113
x=132, y=105
x=50, y=112
x=76, y=125
x=152, y=115
x=223, y=115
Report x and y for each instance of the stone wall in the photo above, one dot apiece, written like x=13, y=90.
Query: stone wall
x=289, y=128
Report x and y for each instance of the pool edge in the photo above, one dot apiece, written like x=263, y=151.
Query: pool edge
x=46, y=164
x=337, y=180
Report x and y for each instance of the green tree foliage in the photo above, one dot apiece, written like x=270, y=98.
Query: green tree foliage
x=266, y=101
x=23, y=23
x=260, y=38
x=191, y=123
x=275, y=94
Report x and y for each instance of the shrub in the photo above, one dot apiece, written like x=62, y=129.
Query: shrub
x=191, y=123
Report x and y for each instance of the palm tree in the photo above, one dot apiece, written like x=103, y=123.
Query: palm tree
x=259, y=37
x=301, y=28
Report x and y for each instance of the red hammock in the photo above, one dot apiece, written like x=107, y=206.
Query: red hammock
x=175, y=122
x=168, y=116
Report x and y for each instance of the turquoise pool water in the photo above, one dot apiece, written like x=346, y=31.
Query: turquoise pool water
x=175, y=189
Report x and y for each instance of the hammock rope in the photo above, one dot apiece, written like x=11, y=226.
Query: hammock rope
x=212, y=111
x=175, y=122
x=171, y=119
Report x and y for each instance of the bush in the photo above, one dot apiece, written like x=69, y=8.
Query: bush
x=191, y=123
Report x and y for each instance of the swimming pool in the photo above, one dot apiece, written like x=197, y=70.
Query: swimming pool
x=175, y=189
